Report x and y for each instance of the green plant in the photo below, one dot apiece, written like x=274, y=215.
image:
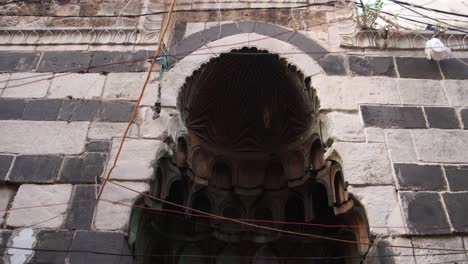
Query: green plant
x=370, y=13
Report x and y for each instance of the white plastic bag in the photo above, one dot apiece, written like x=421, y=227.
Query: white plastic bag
x=436, y=50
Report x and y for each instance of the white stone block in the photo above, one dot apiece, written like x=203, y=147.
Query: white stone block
x=193, y=28
x=400, y=145
x=127, y=85
x=375, y=135
x=338, y=126
x=346, y=93
x=457, y=92
x=81, y=86
x=109, y=130
x=155, y=129
x=110, y=216
x=421, y=92
x=452, y=242
x=363, y=163
x=21, y=238
x=6, y=195
x=3, y=81
x=441, y=145
x=27, y=85
x=42, y=137
x=135, y=159
x=37, y=195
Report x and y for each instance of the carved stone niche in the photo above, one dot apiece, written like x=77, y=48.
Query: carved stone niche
x=251, y=151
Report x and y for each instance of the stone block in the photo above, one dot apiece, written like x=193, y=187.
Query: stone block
x=391, y=255
x=27, y=85
x=456, y=91
x=11, y=109
x=346, y=93
x=372, y=66
x=115, y=111
x=428, y=256
x=35, y=169
x=268, y=29
x=421, y=92
x=119, y=61
x=149, y=128
x=77, y=86
x=21, y=238
x=39, y=137
x=79, y=110
x=401, y=146
x=442, y=117
x=339, y=126
x=457, y=177
x=4, y=239
x=454, y=68
x=52, y=240
x=86, y=169
x=45, y=110
x=364, y=163
x=5, y=164
x=423, y=210
x=18, y=61
x=333, y=64
x=111, y=216
x=418, y=68
x=81, y=213
x=221, y=31
x=393, y=116
x=456, y=209
x=111, y=243
x=105, y=130
x=63, y=61
x=6, y=196
x=303, y=43
x=135, y=158
x=445, y=145
x=190, y=44
x=419, y=177
x=375, y=135
x=98, y=146
x=38, y=195
x=464, y=118
x=383, y=210
x=125, y=86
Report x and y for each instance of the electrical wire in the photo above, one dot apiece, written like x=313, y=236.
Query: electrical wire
x=429, y=9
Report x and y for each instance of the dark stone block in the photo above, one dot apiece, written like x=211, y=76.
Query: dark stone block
x=271, y=30
x=464, y=117
x=19, y=61
x=419, y=177
x=42, y=110
x=11, y=109
x=418, y=68
x=35, y=169
x=52, y=240
x=393, y=117
x=454, y=69
x=333, y=65
x=219, y=32
x=457, y=177
x=98, y=146
x=310, y=47
x=179, y=32
x=372, y=66
x=62, y=61
x=4, y=238
x=126, y=61
x=246, y=26
x=79, y=110
x=188, y=45
x=81, y=214
x=423, y=209
x=5, y=164
x=456, y=209
x=83, y=169
x=116, y=111
x=442, y=117
x=113, y=243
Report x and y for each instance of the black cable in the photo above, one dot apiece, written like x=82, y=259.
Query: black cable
x=429, y=9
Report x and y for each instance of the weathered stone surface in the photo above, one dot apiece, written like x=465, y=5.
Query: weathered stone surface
x=27, y=85
x=35, y=168
x=456, y=209
x=37, y=195
x=418, y=68
x=391, y=255
x=134, y=61
x=38, y=137
x=111, y=216
x=125, y=86
x=112, y=243
x=457, y=177
x=423, y=209
x=442, y=145
x=401, y=146
x=98, y=146
x=21, y=238
x=382, y=208
x=338, y=126
x=79, y=110
x=347, y=93
x=435, y=256
x=59, y=61
x=333, y=65
x=81, y=213
x=454, y=69
x=19, y=61
x=419, y=177
x=303, y=43
x=11, y=109
x=84, y=169
x=105, y=130
x=52, y=240
x=225, y=30
x=464, y=117
x=364, y=163
x=77, y=86
x=457, y=92
x=393, y=117
x=149, y=128
x=372, y=66
x=116, y=111
x=421, y=92
x=442, y=117
x=6, y=196
x=4, y=238
x=5, y=164
x=375, y=135
x=135, y=158
x=46, y=110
